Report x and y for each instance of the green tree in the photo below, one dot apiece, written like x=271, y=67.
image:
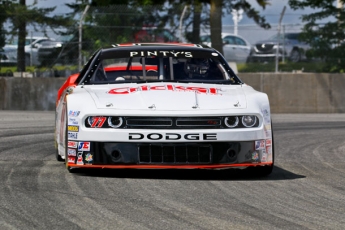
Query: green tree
x=110, y=21
x=209, y=13
x=22, y=15
x=326, y=39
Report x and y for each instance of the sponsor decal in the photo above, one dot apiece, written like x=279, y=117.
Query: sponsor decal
x=71, y=159
x=160, y=54
x=264, y=157
x=259, y=144
x=80, y=158
x=72, y=135
x=84, y=146
x=267, y=127
x=73, y=113
x=266, y=115
x=268, y=133
x=73, y=128
x=73, y=121
x=173, y=136
x=269, y=149
x=268, y=142
x=71, y=152
x=72, y=144
x=168, y=87
x=255, y=156
x=89, y=158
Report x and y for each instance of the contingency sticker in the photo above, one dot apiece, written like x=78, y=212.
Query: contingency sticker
x=72, y=144
x=71, y=159
x=84, y=146
x=73, y=121
x=72, y=135
x=71, y=152
x=89, y=158
x=73, y=128
x=255, y=156
x=80, y=158
x=268, y=142
x=259, y=144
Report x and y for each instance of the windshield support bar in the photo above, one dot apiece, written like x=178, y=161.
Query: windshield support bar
x=171, y=68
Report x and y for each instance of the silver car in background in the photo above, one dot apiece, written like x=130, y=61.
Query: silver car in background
x=235, y=47
x=290, y=48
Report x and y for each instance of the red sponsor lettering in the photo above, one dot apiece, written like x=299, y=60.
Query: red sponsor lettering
x=128, y=90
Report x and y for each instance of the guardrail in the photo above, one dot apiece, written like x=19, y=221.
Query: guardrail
x=288, y=92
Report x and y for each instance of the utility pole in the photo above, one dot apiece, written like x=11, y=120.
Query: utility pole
x=237, y=16
x=279, y=26
x=181, y=18
x=80, y=35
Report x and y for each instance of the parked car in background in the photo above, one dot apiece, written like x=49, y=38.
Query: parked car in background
x=235, y=47
x=290, y=47
x=32, y=44
x=8, y=56
x=49, y=52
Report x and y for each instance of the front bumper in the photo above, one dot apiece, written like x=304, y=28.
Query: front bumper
x=170, y=155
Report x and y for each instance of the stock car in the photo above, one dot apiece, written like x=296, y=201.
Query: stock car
x=162, y=106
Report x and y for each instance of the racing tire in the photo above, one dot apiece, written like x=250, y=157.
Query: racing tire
x=57, y=155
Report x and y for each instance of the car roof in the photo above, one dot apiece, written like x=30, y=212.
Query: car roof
x=166, y=45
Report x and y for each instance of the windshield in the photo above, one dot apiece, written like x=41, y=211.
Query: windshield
x=153, y=66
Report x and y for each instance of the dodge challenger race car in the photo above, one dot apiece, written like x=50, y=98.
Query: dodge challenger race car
x=162, y=106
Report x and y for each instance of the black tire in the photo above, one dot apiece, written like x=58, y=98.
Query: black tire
x=57, y=155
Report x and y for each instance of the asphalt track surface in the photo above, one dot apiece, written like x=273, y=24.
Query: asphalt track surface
x=305, y=191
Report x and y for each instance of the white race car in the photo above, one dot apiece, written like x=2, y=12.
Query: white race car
x=162, y=105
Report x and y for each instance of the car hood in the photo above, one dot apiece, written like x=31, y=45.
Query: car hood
x=167, y=96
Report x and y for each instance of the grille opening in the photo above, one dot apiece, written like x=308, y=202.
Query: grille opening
x=192, y=154
x=204, y=154
x=156, y=153
x=168, y=154
x=180, y=154
x=144, y=155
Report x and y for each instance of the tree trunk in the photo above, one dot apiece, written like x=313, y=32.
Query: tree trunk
x=21, y=42
x=196, y=22
x=216, y=25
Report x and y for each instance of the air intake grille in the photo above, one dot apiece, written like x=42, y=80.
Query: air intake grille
x=173, y=122
x=176, y=153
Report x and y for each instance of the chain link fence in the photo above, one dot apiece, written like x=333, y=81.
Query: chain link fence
x=104, y=26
